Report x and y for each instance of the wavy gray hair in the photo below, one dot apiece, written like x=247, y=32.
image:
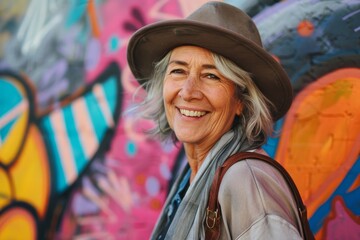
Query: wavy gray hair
x=255, y=119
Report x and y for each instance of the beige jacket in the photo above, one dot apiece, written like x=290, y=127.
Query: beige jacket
x=257, y=204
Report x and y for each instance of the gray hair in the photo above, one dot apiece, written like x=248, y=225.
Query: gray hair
x=255, y=119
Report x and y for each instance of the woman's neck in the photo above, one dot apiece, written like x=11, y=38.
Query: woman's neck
x=195, y=156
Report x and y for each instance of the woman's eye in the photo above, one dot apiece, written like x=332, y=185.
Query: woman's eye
x=212, y=76
x=176, y=71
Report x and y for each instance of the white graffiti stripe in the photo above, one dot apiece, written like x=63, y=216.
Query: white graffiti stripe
x=85, y=128
x=63, y=144
x=99, y=93
x=14, y=112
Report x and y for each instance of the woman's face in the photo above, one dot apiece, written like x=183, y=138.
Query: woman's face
x=200, y=103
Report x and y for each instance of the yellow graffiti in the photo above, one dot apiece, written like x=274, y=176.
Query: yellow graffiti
x=16, y=224
x=31, y=175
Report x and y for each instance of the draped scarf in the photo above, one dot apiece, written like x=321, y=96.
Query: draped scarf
x=189, y=218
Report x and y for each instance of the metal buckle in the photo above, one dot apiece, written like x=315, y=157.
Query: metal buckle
x=213, y=216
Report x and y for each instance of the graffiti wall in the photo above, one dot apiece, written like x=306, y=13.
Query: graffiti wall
x=75, y=162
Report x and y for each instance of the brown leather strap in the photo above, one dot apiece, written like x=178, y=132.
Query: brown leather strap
x=213, y=211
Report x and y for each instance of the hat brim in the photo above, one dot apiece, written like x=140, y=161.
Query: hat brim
x=152, y=42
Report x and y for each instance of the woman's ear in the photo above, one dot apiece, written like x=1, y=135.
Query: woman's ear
x=239, y=107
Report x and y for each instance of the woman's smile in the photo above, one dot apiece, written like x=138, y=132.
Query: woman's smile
x=191, y=113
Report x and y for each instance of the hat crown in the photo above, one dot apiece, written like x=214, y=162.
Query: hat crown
x=227, y=17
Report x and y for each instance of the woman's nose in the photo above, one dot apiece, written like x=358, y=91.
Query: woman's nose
x=190, y=89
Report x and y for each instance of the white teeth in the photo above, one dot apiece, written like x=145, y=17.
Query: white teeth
x=189, y=113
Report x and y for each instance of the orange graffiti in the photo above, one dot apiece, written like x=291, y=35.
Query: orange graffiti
x=93, y=18
x=320, y=141
x=305, y=28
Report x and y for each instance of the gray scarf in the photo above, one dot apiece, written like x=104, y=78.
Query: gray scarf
x=188, y=220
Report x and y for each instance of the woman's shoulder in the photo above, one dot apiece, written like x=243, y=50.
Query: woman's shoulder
x=258, y=189
x=253, y=173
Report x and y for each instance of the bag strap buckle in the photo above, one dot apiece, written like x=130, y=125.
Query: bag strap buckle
x=211, y=218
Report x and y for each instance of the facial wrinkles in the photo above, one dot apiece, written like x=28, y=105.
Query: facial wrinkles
x=195, y=93
x=193, y=89
x=222, y=116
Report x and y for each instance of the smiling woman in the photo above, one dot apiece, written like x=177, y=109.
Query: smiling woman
x=217, y=101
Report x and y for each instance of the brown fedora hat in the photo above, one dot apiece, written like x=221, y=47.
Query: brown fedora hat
x=222, y=29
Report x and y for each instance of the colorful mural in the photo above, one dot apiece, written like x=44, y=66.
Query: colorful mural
x=75, y=162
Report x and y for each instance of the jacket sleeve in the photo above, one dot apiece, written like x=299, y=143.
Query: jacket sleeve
x=256, y=203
